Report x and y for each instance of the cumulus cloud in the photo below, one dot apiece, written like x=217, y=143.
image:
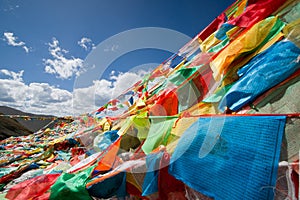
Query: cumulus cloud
x=123, y=81
x=86, y=43
x=44, y=98
x=59, y=64
x=17, y=76
x=40, y=98
x=13, y=41
x=90, y=98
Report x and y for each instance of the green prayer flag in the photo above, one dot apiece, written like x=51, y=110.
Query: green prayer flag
x=142, y=125
x=159, y=127
x=71, y=186
x=182, y=74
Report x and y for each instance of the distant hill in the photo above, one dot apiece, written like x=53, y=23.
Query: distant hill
x=11, y=127
x=30, y=125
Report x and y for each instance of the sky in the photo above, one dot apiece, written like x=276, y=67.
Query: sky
x=57, y=56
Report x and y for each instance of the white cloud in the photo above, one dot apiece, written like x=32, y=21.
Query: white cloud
x=60, y=65
x=86, y=43
x=123, y=81
x=26, y=49
x=40, y=98
x=91, y=98
x=12, y=41
x=84, y=98
x=44, y=98
x=14, y=75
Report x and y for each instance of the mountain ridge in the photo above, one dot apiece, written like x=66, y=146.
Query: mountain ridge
x=20, y=126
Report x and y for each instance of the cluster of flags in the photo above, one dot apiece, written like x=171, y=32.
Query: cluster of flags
x=215, y=120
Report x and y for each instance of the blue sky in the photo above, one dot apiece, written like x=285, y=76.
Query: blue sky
x=44, y=44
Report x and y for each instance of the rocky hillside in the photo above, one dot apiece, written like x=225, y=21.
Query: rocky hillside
x=31, y=125
x=11, y=127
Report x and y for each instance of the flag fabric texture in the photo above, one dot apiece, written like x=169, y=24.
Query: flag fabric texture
x=233, y=168
x=214, y=120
